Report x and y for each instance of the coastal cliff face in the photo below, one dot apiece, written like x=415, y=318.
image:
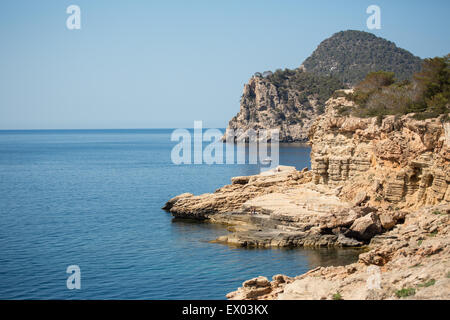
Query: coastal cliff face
x=396, y=160
x=263, y=106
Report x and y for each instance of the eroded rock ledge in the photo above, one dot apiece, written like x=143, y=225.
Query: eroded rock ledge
x=284, y=208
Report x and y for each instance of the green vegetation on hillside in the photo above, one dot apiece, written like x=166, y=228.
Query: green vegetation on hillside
x=305, y=85
x=351, y=55
x=427, y=95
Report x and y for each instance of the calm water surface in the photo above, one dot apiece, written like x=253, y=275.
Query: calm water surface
x=92, y=198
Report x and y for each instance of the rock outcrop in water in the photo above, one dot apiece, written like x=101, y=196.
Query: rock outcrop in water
x=284, y=208
x=276, y=208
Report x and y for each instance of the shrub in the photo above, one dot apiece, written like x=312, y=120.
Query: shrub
x=344, y=110
x=337, y=296
x=405, y=292
x=375, y=81
x=427, y=284
x=433, y=234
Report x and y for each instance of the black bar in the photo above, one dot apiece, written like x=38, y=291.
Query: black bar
x=213, y=309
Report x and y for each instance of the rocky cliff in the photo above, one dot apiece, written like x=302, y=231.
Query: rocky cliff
x=263, y=107
x=396, y=160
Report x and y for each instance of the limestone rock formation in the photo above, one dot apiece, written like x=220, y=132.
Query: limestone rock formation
x=263, y=108
x=259, y=287
x=401, y=160
x=283, y=208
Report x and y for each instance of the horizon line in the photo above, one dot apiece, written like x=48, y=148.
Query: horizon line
x=98, y=129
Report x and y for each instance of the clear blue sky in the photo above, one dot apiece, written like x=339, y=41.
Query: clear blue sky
x=144, y=64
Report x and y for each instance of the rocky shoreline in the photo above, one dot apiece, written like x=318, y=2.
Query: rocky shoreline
x=283, y=208
x=409, y=262
x=381, y=184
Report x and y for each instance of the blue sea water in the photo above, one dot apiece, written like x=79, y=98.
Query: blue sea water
x=93, y=198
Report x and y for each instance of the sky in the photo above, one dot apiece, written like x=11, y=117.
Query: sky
x=165, y=64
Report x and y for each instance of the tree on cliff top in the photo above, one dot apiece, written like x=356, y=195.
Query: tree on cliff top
x=428, y=95
x=433, y=82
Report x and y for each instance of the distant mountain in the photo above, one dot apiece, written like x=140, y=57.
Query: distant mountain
x=350, y=55
x=291, y=100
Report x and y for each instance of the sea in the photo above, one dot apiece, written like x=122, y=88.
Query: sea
x=93, y=198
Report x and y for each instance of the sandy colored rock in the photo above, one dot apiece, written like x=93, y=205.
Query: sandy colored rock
x=360, y=198
x=277, y=208
x=308, y=289
x=366, y=227
x=261, y=108
x=387, y=221
x=400, y=161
